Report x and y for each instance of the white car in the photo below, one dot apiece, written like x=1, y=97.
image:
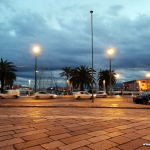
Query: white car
x=10, y=94
x=101, y=94
x=43, y=94
x=84, y=94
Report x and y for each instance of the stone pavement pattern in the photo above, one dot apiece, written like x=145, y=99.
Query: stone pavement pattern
x=74, y=128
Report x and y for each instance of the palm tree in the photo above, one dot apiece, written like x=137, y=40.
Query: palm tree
x=7, y=74
x=105, y=75
x=66, y=73
x=81, y=76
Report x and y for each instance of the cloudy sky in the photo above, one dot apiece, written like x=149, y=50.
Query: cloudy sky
x=62, y=29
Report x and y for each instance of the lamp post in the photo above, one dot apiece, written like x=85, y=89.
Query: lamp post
x=148, y=75
x=110, y=51
x=29, y=88
x=36, y=50
x=139, y=87
x=104, y=85
x=92, y=51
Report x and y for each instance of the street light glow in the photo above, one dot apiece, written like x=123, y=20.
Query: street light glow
x=148, y=74
x=117, y=75
x=36, y=49
x=110, y=51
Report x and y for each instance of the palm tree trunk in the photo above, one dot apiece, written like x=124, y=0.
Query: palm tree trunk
x=2, y=83
x=81, y=87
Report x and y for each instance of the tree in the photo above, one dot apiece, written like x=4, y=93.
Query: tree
x=105, y=75
x=81, y=76
x=7, y=74
x=66, y=72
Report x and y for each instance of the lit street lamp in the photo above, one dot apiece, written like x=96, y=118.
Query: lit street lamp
x=110, y=51
x=104, y=85
x=36, y=50
x=92, y=51
x=148, y=75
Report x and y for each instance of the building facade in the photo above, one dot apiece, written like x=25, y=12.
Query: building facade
x=137, y=85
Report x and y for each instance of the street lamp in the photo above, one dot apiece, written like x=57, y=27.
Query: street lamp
x=29, y=87
x=36, y=50
x=104, y=85
x=148, y=75
x=110, y=51
x=92, y=51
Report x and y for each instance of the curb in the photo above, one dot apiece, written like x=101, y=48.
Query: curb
x=73, y=106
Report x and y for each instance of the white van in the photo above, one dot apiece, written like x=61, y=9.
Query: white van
x=10, y=94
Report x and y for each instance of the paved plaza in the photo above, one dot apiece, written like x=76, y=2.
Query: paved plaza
x=42, y=128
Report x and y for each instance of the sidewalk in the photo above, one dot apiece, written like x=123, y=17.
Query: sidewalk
x=70, y=101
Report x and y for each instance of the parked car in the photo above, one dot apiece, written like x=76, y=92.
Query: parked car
x=84, y=94
x=10, y=94
x=43, y=94
x=141, y=99
x=101, y=94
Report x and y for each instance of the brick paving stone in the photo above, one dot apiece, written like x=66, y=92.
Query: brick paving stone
x=120, y=139
x=96, y=128
x=97, y=133
x=6, y=126
x=32, y=143
x=142, y=127
x=132, y=144
x=143, y=132
x=98, y=138
x=123, y=127
x=78, y=132
x=80, y=128
x=34, y=148
x=60, y=136
x=127, y=130
x=10, y=142
x=103, y=145
x=24, y=130
x=7, y=148
x=56, y=128
x=6, y=133
x=13, y=128
x=6, y=137
x=34, y=136
x=111, y=130
x=55, y=132
x=114, y=148
x=146, y=138
x=29, y=133
x=75, y=145
x=53, y=144
x=113, y=134
x=132, y=135
x=75, y=138
x=82, y=148
x=55, y=149
x=144, y=148
x=72, y=125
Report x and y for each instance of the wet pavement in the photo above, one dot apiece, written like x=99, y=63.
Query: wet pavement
x=80, y=126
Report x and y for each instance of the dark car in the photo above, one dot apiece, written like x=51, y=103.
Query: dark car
x=141, y=99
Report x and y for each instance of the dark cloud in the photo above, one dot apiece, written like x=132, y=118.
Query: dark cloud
x=65, y=39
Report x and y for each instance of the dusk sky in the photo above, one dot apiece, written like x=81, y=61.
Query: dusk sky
x=62, y=29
